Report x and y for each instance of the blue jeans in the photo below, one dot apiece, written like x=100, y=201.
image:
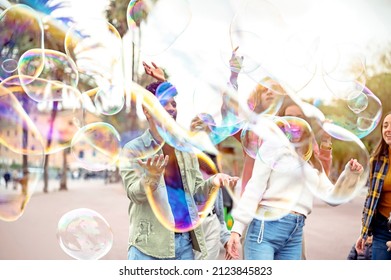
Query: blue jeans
x=183, y=250
x=275, y=240
x=380, y=236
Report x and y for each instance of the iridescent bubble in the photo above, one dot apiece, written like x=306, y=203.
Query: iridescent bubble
x=298, y=131
x=178, y=143
x=58, y=121
x=172, y=133
x=130, y=153
x=109, y=101
x=257, y=99
x=260, y=95
x=250, y=141
x=160, y=22
x=312, y=177
x=15, y=115
x=96, y=40
x=87, y=101
x=21, y=156
x=84, y=234
x=288, y=197
x=9, y=65
x=21, y=29
x=285, y=126
x=166, y=94
x=100, y=143
x=281, y=157
x=207, y=165
x=359, y=117
x=358, y=102
x=217, y=105
x=176, y=215
x=96, y=48
x=57, y=79
x=344, y=70
x=176, y=135
x=344, y=62
x=106, y=101
x=334, y=189
x=217, y=133
x=158, y=199
x=366, y=124
x=323, y=105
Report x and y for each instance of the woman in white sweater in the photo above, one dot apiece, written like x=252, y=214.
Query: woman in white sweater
x=275, y=204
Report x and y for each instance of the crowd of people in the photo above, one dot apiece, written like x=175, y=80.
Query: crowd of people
x=11, y=176
x=267, y=224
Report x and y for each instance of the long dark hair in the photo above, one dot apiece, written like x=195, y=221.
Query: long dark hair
x=382, y=147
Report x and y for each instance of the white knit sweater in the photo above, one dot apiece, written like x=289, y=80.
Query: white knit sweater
x=289, y=190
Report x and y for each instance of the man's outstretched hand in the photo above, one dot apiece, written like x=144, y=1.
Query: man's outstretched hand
x=154, y=71
x=221, y=179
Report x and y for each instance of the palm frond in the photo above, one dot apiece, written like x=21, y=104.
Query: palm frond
x=49, y=7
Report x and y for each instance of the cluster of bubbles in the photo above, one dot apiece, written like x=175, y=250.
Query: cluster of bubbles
x=44, y=109
x=327, y=82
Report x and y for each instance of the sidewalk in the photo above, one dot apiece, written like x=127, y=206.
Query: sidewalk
x=33, y=235
x=329, y=231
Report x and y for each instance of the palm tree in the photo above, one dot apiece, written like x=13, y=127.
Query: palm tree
x=116, y=15
x=55, y=30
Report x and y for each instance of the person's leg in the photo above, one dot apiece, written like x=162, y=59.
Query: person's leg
x=292, y=248
x=211, y=228
x=136, y=254
x=258, y=244
x=380, y=236
x=303, y=250
x=183, y=247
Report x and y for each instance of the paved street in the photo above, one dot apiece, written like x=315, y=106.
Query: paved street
x=329, y=231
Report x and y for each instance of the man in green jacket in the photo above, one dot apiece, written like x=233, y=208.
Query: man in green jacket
x=167, y=179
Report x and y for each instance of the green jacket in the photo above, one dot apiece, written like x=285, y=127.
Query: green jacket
x=146, y=232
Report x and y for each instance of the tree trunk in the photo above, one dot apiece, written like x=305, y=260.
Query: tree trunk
x=63, y=181
x=46, y=174
x=25, y=134
x=48, y=144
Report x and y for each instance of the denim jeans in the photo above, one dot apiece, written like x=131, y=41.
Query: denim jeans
x=275, y=240
x=380, y=236
x=183, y=250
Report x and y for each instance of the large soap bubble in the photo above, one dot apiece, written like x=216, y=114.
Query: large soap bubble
x=100, y=145
x=21, y=29
x=21, y=157
x=84, y=234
